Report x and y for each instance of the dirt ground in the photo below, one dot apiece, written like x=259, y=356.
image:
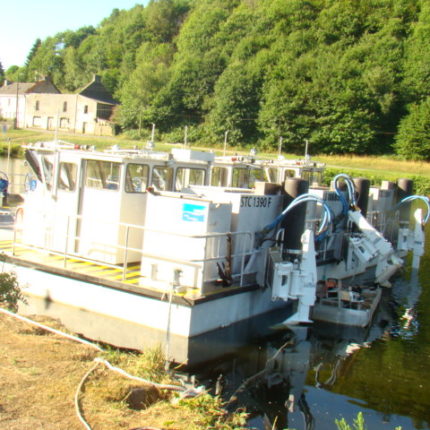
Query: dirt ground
x=39, y=376
x=39, y=373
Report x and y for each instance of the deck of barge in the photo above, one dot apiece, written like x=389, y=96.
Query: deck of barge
x=127, y=278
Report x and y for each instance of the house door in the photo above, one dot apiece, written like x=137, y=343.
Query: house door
x=84, y=127
x=50, y=123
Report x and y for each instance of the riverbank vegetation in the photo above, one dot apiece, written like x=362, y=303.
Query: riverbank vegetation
x=351, y=76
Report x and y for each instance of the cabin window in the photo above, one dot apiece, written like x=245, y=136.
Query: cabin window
x=314, y=178
x=37, y=106
x=48, y=169
x=289, y=173
x=67, y=175
x=188, y=176
x=272, y=173
x=136, y=178
x=162, y=178
x=102, y=175
x=246, y=177
x=219, y=177
x=64, y=106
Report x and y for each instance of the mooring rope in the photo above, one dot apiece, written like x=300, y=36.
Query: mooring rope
x=52, y=330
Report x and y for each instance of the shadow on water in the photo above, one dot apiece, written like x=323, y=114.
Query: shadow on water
x=306, y=377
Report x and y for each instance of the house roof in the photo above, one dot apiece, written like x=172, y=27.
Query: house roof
x=17, y=87
x=43, y=86
x=97, y=91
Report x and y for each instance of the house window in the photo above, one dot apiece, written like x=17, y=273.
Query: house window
x=37, y=121
x=86, y=109
x=37, y=105
x=64, y=106
x=64, y=123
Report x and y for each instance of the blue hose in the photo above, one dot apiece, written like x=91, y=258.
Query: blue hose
x=412, y=198
x=351, y=191
x=326, y=220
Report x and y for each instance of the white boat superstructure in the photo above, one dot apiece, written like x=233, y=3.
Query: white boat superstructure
x=143, y=240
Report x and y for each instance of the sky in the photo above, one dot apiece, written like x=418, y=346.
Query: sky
x=24, y=21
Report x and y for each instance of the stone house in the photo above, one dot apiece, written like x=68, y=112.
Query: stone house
x=13, y=98
x=41, y=105
x=87, y=112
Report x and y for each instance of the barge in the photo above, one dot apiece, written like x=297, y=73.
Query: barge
x=137, y=248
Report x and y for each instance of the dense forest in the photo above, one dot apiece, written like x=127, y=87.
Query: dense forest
x=350, y=76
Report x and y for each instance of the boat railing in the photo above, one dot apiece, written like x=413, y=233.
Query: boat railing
x=17, y=183
x=243, y=250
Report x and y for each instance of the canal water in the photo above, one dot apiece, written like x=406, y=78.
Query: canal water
x=309, y=377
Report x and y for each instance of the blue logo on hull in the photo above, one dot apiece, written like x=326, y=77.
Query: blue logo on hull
x=193, y=213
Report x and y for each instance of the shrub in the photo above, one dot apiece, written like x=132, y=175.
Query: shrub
x=10, y=293
x=413, y=137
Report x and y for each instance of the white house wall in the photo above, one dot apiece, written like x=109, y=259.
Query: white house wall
x=65, y=112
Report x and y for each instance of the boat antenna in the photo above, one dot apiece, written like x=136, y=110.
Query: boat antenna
x=57, y=125
x=280, y=146
x=306, y=149
x=225, y=141
x=150, y=145
x=153, y=133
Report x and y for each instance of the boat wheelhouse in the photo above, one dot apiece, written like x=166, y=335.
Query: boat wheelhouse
x=239, y=171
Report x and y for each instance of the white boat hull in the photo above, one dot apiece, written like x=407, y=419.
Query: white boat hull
x=138, y=321
x=338, y=314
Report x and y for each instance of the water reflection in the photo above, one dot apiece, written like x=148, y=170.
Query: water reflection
x=306, y=377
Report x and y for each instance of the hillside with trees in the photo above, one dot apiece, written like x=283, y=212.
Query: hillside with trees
x=350, y=76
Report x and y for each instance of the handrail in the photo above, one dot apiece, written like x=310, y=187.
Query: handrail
x=243, y=250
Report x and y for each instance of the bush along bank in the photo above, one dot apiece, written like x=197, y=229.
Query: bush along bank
x=421, y=183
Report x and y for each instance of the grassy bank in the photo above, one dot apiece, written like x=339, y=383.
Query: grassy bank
x=41, y=372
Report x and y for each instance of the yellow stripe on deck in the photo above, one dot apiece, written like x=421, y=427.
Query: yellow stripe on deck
x=132, y=275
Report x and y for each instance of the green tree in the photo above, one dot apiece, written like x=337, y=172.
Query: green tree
x=413, y=137
x=196, y=66
x=48, y=61
x=15, y=74
x=417, y=56
x=76, y=75
x=140, y=92
x=1, y=73
x=33, y=51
